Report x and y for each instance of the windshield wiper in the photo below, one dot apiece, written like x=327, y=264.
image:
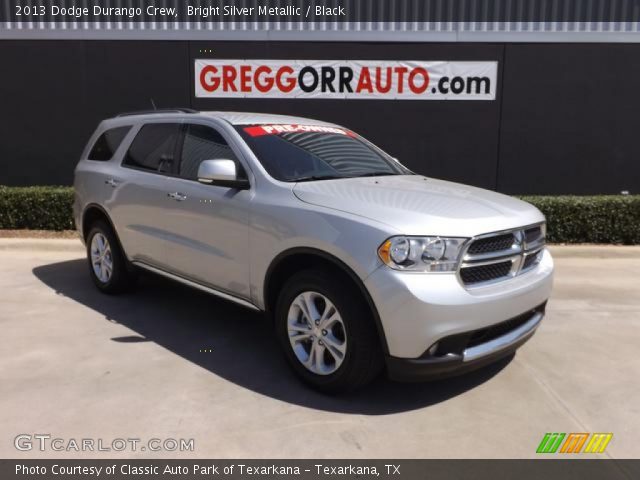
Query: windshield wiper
x=376, y=174
x=332, y=177
x=311, y=178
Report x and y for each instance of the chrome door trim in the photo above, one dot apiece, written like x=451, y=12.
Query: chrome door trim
x=199, y=286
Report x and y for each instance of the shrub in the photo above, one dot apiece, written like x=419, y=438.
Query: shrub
x=36, y=208
x=570, y=219
x=592, y=219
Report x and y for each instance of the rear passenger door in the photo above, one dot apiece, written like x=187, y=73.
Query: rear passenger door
x=140, y=199
x=208, y=223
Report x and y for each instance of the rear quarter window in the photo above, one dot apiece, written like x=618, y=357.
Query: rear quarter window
x=107, y=144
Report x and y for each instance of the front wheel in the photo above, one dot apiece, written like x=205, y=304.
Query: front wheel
x=326, y=330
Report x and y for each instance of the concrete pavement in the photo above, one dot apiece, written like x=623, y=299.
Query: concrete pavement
x=77, y=364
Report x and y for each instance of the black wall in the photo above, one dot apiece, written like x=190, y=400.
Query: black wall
x=570, y=119
x=565, y=119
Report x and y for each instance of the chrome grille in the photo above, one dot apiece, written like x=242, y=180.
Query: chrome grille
x=484, y=273
x=501, y=255
x=492, y=244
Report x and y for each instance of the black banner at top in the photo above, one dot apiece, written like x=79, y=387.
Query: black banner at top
x=38, y=12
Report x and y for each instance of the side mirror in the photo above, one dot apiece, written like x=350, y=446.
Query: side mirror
x=221, y=172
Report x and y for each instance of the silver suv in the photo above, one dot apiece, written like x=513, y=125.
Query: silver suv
x=361, y=264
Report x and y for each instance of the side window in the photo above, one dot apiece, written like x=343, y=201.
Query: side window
x=203, y=143
x=154, y=148
x=107, y=144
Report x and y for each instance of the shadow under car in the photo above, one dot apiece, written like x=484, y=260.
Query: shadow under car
x=243, y=347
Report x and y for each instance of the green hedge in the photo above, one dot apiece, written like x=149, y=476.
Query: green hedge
x=592, y=219
x=570, y=219
x=36, y=208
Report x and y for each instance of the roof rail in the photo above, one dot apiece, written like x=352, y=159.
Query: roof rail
x=164, y=110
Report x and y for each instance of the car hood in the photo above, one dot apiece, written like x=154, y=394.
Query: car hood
x=416, y=205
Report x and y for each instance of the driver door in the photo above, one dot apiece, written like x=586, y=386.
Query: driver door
x=209, y=225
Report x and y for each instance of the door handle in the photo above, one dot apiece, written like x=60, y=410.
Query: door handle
x=112, y=182
x=177, y=196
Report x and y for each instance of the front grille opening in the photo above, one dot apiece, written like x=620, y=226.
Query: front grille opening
x=485, y=273
x=457, y=344
x=533, y=234
x=492, y=244
x=531, y=260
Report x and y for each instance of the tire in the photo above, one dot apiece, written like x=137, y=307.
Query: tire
x=108, y=266
x=347, y=353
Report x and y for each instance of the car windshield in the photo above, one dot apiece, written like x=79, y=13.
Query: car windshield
x=296, y=153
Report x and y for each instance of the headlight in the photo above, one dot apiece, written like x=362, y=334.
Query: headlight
x=422, y=254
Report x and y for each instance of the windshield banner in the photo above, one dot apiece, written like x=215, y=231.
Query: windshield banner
x=260, y=130
x=346, y=79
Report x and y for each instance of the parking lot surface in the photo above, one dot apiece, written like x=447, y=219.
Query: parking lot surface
x=170, y=362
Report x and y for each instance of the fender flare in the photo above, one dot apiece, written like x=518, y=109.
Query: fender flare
x=342, y=266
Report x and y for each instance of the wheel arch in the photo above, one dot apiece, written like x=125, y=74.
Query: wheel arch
x=298, y=258
x=94, y=212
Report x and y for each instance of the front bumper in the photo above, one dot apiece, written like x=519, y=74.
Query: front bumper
x=466, y=359
x=418, y=310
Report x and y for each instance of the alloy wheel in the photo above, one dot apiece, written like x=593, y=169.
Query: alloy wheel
x=317, y=333
x=101, y=258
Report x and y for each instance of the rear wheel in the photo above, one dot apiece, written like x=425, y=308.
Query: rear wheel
x=326, y=330
x=107, y=264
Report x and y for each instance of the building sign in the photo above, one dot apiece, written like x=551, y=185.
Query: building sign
x=346, y=79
